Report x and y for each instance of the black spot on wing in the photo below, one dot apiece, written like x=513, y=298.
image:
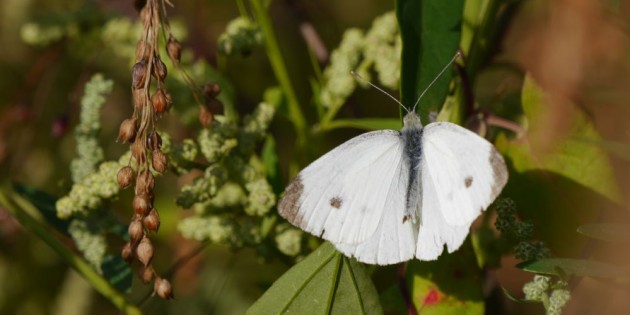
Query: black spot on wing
x=468, y=181
x=336, y=202
x=289, y=205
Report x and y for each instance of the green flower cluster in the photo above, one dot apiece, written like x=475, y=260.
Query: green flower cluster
x=519, y=232
x=92, y=244
x=89, y=194
x=289, y=240
x=240, y=37
x=233, y=196
x=379, y=47
x=90, y=154
x=553, y=296
x=42, y=35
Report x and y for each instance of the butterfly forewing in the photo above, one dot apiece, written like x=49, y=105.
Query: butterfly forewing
x=343, y=195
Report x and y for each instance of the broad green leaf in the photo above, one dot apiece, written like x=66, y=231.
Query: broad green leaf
x=575, y=267
x=450, y=285
x=326, y=282
x=559, y=187
x=117, y=272
x=430, y=31
x=365, y=124
x=607, y=232
x=45, y=204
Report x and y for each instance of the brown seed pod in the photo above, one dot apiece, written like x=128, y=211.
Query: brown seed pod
x=124, y=177
x=144, y=251
x=127, y=131
x=139, y=99
x=127, y=253
x=146, y=273
x=136, y=232
x=163, y=288
x=205, y=117
x=138, y=74
x=154, y=141
x=159, y=101
x=174, y=49
x=141, y=203
x=145, y=182
x=152, y=221
x=215, y=106
x=159, y=69
x=211, y=90
x=138, y=152
x=159, y=161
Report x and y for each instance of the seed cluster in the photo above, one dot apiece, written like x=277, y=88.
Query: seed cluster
x=151, y=100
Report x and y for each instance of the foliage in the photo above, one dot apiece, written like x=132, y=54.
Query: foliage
x=231, y=169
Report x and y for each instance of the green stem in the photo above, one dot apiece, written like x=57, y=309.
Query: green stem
x=20, y=209
x=280, y=70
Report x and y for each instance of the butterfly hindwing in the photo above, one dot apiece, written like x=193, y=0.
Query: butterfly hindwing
x=343, y=195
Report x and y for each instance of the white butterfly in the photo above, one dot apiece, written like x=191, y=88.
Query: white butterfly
x=386, y=196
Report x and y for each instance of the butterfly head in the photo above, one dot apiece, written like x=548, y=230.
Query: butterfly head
x=412, y=120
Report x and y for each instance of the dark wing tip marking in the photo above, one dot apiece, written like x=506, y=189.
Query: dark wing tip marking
x=499, y=171
x=289, y=205
x=336, y=202
x=468, y=181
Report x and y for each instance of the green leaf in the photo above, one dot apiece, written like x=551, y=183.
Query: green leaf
x=272, y=165
x=117, y=272
x=365, y=124
x=45, y=204
x=326, y=282
x=449, y=285
x=561, y=186
x=607, y=232
x=575, y=267
x=430, y=31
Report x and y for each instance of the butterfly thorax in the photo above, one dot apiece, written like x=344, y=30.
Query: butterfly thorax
x=412, y=138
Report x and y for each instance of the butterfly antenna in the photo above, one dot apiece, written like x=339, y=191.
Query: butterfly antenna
x=457, y=54
x=356, y=75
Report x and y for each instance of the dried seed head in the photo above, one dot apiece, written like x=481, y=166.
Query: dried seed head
x=135, y=231
x=124, y=177
x=144, y=251
x=159, y=69
x=138, y=74
x=139, y=99
x=154, y=141
x=138, y=152
x=174, y=49
x=145, y=182
x=159, y=161
x=163, y=288
x=215, y=106
x=127, y=253
x=146, y=273
x=127, y=131
x=141, y=203
x=142, y=50
x=160, y=102
x=211, y=90
x=152, y=221
x=205, y=117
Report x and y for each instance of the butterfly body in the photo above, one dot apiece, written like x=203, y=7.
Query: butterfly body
x=388, y=196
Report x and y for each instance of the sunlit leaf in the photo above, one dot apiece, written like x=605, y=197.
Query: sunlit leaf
x=562, y=186
x=326, y=282
x=450, y=285
x=430, y=33
x=607, y=232
x=575, y=267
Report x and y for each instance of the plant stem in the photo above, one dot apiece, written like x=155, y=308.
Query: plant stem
x=20, y=209
x=280, y=70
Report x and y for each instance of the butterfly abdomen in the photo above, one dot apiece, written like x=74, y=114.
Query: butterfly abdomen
x=411, y=135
